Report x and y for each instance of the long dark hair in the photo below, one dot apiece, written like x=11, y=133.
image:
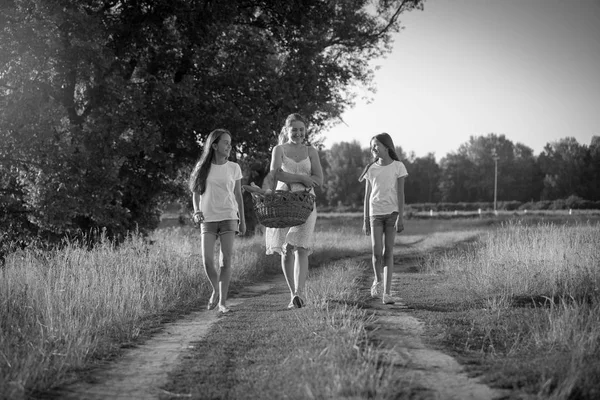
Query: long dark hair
x=197, y=182
x=386, y=140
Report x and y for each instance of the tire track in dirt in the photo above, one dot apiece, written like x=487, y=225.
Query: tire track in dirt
x=142, y=371
x=400, y=335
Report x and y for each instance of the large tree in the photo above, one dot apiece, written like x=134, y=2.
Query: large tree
x=422, y=183
x=470, y=173
x=564, y=164
x=454, y=180
x=104, y=104
x=346, y=162
x=528, y=178
x=593, y=175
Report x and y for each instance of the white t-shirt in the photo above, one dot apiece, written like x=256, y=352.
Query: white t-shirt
x=218, y=200
x=384, y=194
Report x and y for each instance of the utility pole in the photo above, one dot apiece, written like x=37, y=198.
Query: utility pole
x=495, y=158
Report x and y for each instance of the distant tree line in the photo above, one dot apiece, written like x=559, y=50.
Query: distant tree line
x=564, y=169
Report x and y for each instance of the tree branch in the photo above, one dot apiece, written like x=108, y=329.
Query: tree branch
x=379, y=34
x=394, y=18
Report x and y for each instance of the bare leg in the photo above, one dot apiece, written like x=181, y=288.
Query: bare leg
x=388, y=258
x=287, y=265
x=225, y=273
x=377, y=250
x=301, y=270
x=208, y=259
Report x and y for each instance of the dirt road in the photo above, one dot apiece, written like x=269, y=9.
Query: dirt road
x=143, y=371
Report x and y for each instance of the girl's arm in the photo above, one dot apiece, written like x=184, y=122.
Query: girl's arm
x=197, y=203
x=240, y=202
x=400, y=193
x=366, y=207
x=276, y=161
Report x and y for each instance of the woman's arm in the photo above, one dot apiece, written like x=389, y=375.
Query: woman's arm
x=315, y=164
x=276, y=158
x=240, y=202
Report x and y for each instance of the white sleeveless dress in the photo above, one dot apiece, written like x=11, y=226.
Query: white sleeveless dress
x=277, y=239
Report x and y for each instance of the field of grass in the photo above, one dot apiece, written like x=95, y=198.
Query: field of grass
x=526, y=300
x=525, y=307
x=62, y=311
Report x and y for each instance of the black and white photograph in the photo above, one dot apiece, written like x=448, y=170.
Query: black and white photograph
x=299, y=199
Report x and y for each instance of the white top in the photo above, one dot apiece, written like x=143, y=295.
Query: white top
x=218, y=201
x=384, y=193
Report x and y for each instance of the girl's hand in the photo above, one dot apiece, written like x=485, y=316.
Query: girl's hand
x=367, y=227
x=399, y=224
x=242, y=228
x=198, y=217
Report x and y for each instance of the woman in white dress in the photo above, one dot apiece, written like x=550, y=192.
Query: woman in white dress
x=295, y=164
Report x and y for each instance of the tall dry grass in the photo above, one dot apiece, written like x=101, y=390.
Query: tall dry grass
x=556, y=270
x=536, y=260
x=59, y=310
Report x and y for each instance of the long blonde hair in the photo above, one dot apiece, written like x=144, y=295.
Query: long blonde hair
x=283, y=135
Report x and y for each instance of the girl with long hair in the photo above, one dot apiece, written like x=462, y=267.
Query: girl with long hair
x=383, y=211
x=216, y=189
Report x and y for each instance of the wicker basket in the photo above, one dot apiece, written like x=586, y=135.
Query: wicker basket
x=283, y=209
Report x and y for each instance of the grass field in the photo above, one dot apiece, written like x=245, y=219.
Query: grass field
x=64, y=310
x=524, y=310
x=528, y=311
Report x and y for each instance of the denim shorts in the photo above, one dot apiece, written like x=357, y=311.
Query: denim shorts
x=384, y=221
x=218, y=228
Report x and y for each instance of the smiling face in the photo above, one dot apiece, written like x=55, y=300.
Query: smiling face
x=378, y=149
x=297, y=132
x=223, y=146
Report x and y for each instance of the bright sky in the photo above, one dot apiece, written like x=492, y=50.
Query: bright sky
x=528, y=69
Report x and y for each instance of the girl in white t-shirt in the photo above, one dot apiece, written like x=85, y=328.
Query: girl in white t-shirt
x=216, y=188
x=383, y=210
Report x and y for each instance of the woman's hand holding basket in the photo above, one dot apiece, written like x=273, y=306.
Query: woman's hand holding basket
x=309, y=182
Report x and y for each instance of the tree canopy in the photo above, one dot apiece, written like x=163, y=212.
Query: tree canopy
x=105, y=104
